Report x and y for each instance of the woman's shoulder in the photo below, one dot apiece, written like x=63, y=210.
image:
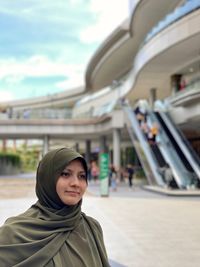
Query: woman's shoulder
x=18, y=228
x=92, y=222
x=15, y=224
x=90, y=219
x=8, y=231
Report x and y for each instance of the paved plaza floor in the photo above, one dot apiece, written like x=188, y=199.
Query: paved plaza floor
x=141, y=228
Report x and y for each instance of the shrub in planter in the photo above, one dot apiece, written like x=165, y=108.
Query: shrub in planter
x=10, y=163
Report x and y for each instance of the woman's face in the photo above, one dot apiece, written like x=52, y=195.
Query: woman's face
x=72, y=183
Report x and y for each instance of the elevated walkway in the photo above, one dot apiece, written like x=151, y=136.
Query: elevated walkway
x=37, y=128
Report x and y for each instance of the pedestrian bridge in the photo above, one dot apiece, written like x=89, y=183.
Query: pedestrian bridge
x=61, y=128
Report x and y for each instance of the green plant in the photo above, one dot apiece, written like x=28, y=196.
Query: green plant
x=29, y=158
x=10, y=158
x=140, y=173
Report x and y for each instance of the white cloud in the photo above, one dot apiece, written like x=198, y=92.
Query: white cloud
x=75, y=75
x=13, y=73
x=69, y=84
x=109, y=15
x=74, y=81
x=68, y=52
x=14, y=79
x=36, y=66
x=6, y=95
x=76, y=2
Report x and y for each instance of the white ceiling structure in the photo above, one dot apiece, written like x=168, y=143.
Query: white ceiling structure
x=173, y=50
x=116, y=55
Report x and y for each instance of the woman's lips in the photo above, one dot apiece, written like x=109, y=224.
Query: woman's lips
x=72, y=193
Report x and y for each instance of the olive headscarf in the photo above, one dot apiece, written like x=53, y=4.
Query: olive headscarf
x=50, y=233
x=49, y=169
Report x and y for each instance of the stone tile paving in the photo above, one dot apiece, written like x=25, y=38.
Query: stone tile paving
x=141, y=229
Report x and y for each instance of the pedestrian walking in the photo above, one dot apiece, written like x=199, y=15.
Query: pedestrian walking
x=54, y=232
x=153, y=134
x=130, y=171
x=113, y=172
x=94, y=171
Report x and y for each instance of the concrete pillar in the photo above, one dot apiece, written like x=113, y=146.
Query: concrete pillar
x=88, y=151
x=14, y=145
x=77, y=147
x=45, y=144
x=175, y=83
x=152, y=97
x=103, y=146
x=4, y=145
x=116, y=148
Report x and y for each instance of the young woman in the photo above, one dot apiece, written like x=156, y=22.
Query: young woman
x=54, y=231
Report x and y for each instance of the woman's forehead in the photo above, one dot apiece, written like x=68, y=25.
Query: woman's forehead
x=76, y=163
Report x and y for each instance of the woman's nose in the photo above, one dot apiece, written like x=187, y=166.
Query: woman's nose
x=74, y=180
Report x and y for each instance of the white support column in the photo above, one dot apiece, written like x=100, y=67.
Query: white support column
x=45, y=144
x=77, y=147
x=116, y=148
x=88, y=151
x=152, y=97
x=103, y=146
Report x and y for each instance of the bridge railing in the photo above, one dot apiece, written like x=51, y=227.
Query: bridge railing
x=43, y=113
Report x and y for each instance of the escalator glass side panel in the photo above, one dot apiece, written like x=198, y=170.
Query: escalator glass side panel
x=146, y=151
x=169, y=153
x=176, y=146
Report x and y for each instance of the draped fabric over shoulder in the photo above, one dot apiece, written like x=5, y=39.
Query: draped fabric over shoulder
x=50, y=233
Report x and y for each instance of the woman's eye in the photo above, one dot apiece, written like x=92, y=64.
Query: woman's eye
x=82, y=176
x=65, y=174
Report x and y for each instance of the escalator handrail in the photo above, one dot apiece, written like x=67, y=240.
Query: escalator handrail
x=183, y=143
x=145, y=145
x=169, y=152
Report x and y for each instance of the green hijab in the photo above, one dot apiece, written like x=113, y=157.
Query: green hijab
x=50, y=233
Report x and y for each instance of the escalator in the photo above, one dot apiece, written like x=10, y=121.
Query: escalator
x=158, y=155
x=186, y=153
x=171, y=152
x=145, y=153
x=171, y=149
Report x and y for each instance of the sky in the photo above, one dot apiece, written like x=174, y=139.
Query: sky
x=45, y=46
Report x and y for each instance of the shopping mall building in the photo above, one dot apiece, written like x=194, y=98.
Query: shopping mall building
x=150, y=65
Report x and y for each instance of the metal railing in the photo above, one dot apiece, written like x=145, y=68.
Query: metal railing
x=178, y=13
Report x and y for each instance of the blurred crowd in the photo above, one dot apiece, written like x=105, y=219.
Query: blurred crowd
x=116, y=175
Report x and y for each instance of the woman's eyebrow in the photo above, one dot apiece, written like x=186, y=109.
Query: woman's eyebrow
x=67, y=169
x=70, y=170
